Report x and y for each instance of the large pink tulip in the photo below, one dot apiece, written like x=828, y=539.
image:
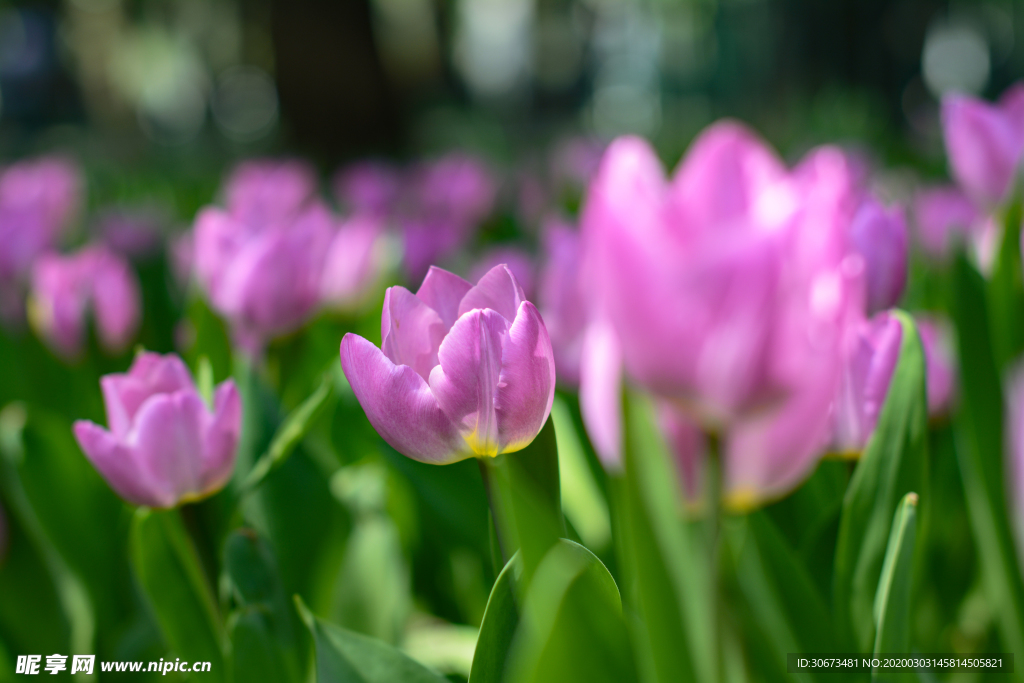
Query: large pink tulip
x=463, y=370
x=984, y=143
x=164, y=445
x=727, y=291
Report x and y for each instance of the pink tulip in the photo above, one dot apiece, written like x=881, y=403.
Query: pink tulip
x=265, y=278
x=463, y=370
x=354, y=261
x=984, y=143
x=165, y=446
x=866, y=377
x=369, y=187
x=937, y=341
x=729, y=291
x=879, y=235
x=562, y=298
x=65, y=288
x=944, y=217
x=261, y=192
x=519, y=262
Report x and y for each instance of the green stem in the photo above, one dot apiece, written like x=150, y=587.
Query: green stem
x=713, y=522
x=487, y=474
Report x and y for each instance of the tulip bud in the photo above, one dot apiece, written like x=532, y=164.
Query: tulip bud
x=462, y=371
x=65, y=287
x=936, y=339
x=267, y=191
x=164, y=445
x=879, y=235
x=865, y=382
x=984, y=143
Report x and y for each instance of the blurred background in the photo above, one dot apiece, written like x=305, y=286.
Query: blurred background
x=177, y=89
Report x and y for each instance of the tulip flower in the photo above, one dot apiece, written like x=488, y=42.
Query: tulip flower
x=936, y=339
x=266, y=279
x=562, y=298
x=267, y=191
x=447, y=200
x=38, y=200
x=355, y=259
x=136, y=232
x=984, y=143
x=369, y=187
x=65, y=288
x=944, y=217
x=164, y=445
x=865, y=383
x=879, y=235
x=463, y=370
x=727, y=291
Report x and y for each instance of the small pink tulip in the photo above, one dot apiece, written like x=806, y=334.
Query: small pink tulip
x=984, y=143
x=65, y=288
x=866, y=378
x=937, y=341
x=165, y=446
x=463, y=370
x=944, y=218
x=562, y=298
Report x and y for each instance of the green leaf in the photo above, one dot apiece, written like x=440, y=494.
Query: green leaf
x=346, y=657
x=891, y=466
x=667, y=589
x=263, y=636
x=572, y=626
x=498, y=628
x=582, y=499
x=980, y=449
x=779, y=591
x=168, y=571
x=892, y=601
x=289, y=434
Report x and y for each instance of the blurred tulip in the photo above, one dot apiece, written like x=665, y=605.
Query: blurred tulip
x=984, y=143
x=354, y=261
x=447, y=200
x=729, y=291
x=865, y=383
x=944, y=217
x=38, y=200
x=462, y=371
x=518, y=261
x=879, y=235
x=165, y=446
x=936, y=339
x=136, y=232
x=65, y=287
x=562, y=298
x=368, y=187
x=262, y=192
x=266, y=279
x=574, y=162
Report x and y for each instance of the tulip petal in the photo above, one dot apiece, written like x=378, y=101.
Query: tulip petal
x=411, y=331
x=466, y=379
x=983, y=147
x=116, y=464
x=601, y=392
x=167, y=440
x=443, y=291
x=498, y=290
x=221, y=437
x=399, y=404
x=150, y=374
x=116, y=301
x=526, y=385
